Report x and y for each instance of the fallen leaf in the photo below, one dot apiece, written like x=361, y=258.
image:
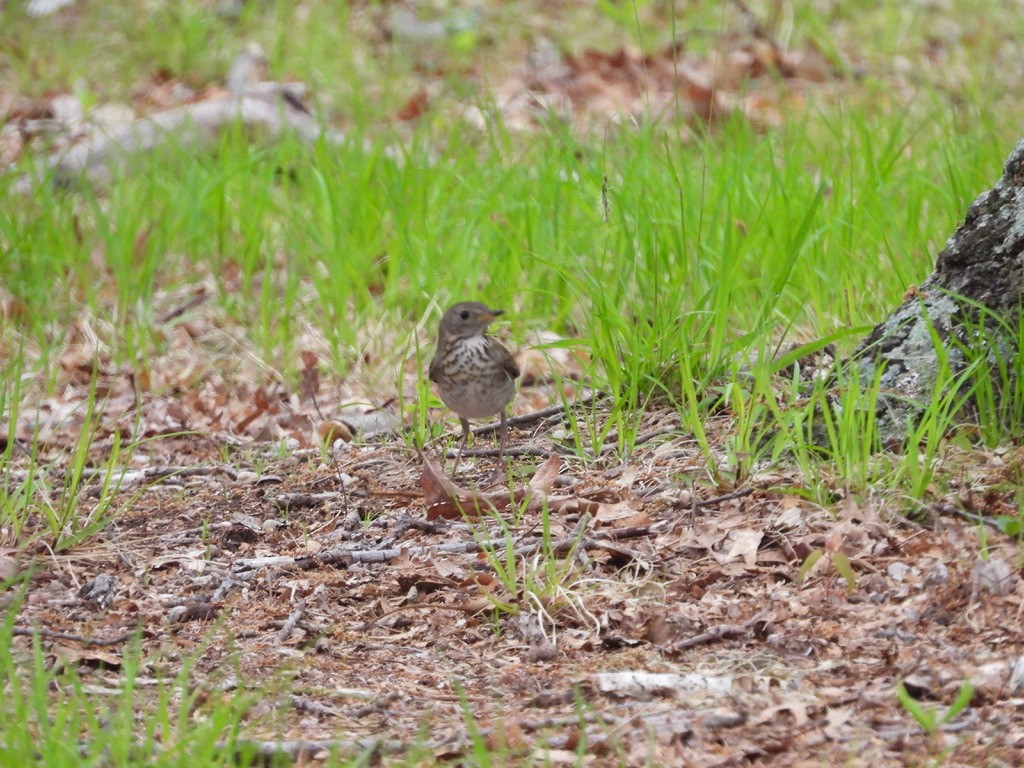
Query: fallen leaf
x=744, y=544
x=544, y=479
x=415, y=106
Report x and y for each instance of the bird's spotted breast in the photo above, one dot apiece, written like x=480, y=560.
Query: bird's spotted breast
x=472, y=382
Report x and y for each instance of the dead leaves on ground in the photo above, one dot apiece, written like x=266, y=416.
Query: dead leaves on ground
x=711, y=615
x=755, y=78
x=445, y=500
x=752, y=76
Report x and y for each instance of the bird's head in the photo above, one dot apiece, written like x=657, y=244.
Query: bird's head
x=467, y=318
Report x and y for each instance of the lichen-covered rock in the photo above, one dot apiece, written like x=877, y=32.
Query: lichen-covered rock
x=982, y=265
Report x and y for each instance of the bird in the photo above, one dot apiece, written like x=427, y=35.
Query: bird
x=475, y=375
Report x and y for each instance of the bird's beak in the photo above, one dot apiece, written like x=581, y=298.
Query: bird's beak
x=495, y=313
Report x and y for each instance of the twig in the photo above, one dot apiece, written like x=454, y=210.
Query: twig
x=161, y=473
x=346, y=557
x=558, y=722
x=727, y=497
x=628, y=532
x=648, y=436
x=670, y=524
x=640, y=440
x=721, y=632
x=588, y=543
x=293, y=618
x=269, y=752
x=489, y=452
x=176, y=312
x=942, y=508
x=304, y=500
x=892, y=733
x=543, y=413
x=304, y=704
x=50, y=634
x=408, y=522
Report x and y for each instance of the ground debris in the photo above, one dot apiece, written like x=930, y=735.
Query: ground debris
x=812, y=618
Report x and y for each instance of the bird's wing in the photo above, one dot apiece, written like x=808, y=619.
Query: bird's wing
x=507, y=361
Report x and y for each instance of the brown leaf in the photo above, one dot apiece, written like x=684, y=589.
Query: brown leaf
x=261, y=405
x=544, y=479
x=385, y=420
x=66, y=657
x=744, y=545
x=619, y=515
x=437, y=488
x=447, y=501
x=415, y=106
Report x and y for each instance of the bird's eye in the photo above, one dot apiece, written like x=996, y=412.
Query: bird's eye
x=464, y=314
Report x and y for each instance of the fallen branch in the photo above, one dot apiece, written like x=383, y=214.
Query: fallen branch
x=944, y=508
x=564, y=544
x=576, y=540
x=346, y=557
x=51, y=635
x=268, y=107
x=152, y=474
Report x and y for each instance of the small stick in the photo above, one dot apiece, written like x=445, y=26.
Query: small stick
x=411, y=606
x=303, y=500
x=543, y=413
x=727, y=497
x=970, y=517
x=180, y=310
x=293, y=618
x=489, y=452
x=50, y=634
x=721, y=632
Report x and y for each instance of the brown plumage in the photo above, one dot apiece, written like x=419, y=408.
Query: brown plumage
x=475, y=375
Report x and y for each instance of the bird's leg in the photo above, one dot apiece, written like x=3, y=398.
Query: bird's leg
x=462, y=445
x=504, y=436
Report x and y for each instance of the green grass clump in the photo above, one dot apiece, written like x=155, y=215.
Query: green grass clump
x=55, y=715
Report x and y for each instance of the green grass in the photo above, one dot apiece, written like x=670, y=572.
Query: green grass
x=53, y=717
x=713, y=253
x=123, y=708
x=736, y=229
